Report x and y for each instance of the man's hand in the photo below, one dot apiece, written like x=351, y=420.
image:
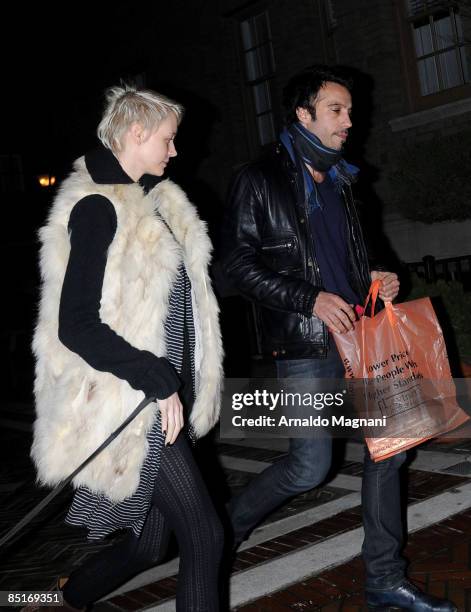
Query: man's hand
x=389, y=284
x=334, y=312
x=171, y=411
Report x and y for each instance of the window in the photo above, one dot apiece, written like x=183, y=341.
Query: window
x=259, y=69
x=11, y=174
x=331, y=20
x=442, y=43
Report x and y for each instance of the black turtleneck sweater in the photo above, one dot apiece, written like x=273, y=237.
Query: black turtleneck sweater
x=92, y=226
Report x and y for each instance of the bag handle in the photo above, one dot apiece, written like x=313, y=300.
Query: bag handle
x=373, y=295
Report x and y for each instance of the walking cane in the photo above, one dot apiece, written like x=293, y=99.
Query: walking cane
x=58, y=488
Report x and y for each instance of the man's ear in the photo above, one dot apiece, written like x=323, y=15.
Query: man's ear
x=303, y=115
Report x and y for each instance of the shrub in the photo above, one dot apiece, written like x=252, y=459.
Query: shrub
x=457, y=305
x=430, y=180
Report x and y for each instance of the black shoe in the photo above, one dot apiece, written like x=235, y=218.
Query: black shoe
x=407, y=596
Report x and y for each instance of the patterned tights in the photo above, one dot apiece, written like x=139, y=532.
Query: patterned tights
x=180, y=504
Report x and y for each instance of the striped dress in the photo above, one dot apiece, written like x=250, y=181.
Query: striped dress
x=95, y=511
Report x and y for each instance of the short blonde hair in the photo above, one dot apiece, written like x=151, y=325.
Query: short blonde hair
x=126, y=105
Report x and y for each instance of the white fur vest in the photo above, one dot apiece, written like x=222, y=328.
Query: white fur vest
x=77, y=407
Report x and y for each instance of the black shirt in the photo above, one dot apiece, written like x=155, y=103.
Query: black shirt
x=92, y=226
x=328, y=223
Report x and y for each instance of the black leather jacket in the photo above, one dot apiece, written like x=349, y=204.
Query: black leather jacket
x=269, y=256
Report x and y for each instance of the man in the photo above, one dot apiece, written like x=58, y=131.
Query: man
x=293, y=244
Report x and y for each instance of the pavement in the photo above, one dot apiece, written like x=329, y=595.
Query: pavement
x=304, y=557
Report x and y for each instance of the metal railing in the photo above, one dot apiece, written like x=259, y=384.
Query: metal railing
x=450, y=269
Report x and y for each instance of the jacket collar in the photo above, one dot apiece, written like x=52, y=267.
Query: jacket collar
x=350, y=169
x=105, y=169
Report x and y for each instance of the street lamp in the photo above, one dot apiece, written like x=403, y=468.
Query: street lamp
x=46, y=180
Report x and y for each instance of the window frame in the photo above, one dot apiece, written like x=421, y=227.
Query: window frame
x=12, y=178
x=251, y=115
x=417, y=101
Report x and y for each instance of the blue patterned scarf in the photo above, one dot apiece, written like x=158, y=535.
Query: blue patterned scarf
x=304, y=148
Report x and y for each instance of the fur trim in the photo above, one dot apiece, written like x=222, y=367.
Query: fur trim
x=78, y=407
x=191, y=234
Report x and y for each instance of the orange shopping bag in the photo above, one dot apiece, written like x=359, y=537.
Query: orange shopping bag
x=399, y=362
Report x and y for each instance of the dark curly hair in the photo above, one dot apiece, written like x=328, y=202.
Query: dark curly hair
x=303, y=88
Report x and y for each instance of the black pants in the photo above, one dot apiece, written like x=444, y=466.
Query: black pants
x=180, y=504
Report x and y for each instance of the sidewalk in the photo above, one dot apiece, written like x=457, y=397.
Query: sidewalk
x=305, y=557
x=441, y=566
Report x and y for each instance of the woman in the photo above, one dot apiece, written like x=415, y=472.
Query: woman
x=127, y=311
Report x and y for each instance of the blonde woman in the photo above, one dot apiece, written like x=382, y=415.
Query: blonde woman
x=127, y=311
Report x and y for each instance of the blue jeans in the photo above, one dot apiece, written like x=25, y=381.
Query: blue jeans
x=306, y=466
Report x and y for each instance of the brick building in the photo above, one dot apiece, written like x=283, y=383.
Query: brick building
x=411, y=59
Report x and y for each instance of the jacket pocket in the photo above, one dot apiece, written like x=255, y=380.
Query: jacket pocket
x=281, y=253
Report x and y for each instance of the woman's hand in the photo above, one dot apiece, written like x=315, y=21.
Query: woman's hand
x=171, y=411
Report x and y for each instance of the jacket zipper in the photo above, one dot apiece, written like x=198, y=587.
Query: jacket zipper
x=277, y=247
x=361, y=274
x=315, y=265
